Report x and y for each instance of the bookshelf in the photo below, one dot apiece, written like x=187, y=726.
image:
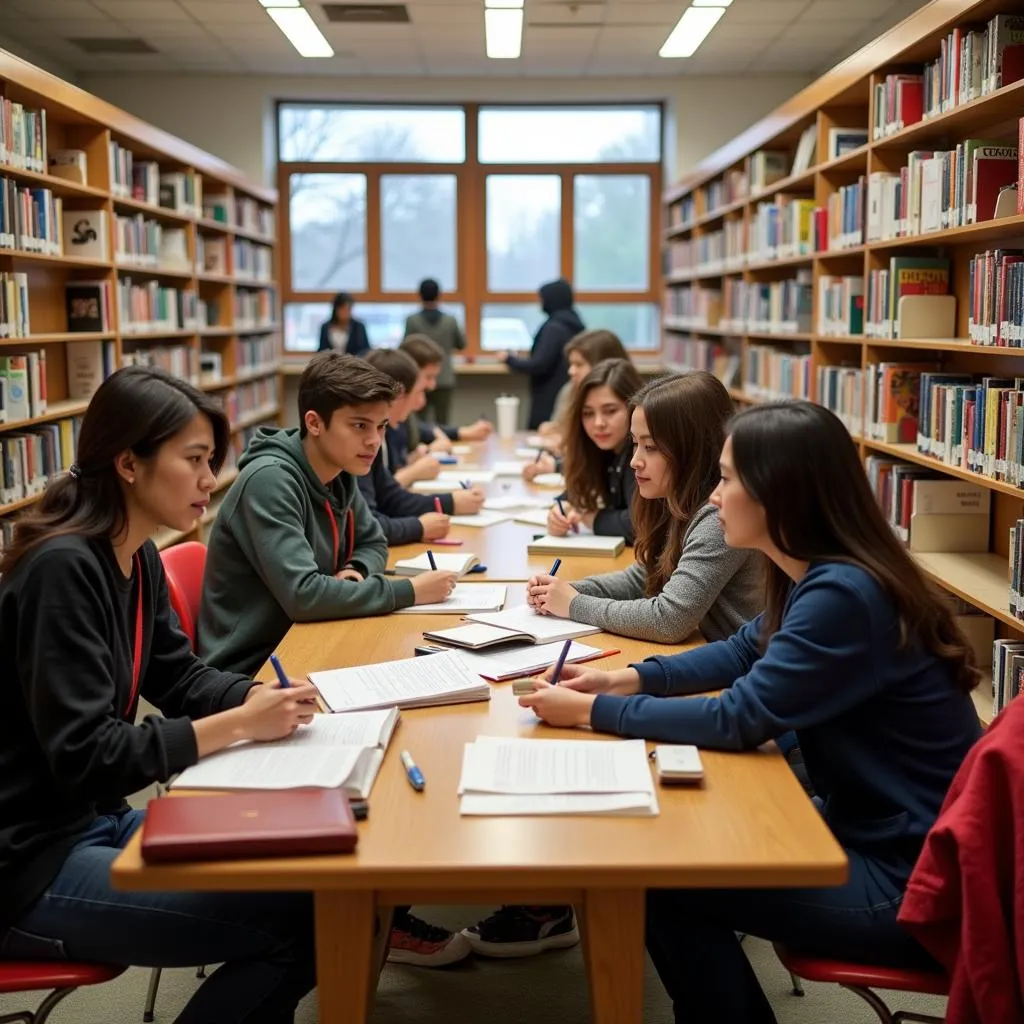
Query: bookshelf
x=172, y=256
x=748, y=269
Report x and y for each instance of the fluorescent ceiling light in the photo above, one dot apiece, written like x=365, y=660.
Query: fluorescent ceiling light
x=301, y=31
x=691, y=30
x=280, y=3
x=695, y=3
x=504, y=33
x=503, y=4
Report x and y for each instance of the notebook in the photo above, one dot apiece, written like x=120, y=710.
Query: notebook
x=457, y=562
x=549, y=480
x=470, y=476
x=534, y=516
x=506, y=502
x=435, y=486
x=520, y=623
x=515, y=776
x=408, y=683
x=525, y=661
x=577, y=544
x=239, y=825
x=508, y=468
x=485, y=517
x=466, y=597
x=332, y=751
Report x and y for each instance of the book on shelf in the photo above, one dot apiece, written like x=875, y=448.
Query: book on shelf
x=30, y=219
x=840, y=305
x=24, y=386
x=457, y=562
x=766, y=168
x=89, y=306
x=841, y=391
x=845, y=140
x=69, y=164
x=1020, y=167
x=582, y=544
x=905, y=275
x=996, y=294
x=892, y=406
x=181, y=191
x=14, y=305
x=899, y=103
x=89, y=364
x=519, y=624
x=86, y=234
x=33, y=456
x=1007, y=671
x=805, y=149
x=23, y=136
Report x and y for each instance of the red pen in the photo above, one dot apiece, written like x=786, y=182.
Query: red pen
x=448, y=543
x=437, y=506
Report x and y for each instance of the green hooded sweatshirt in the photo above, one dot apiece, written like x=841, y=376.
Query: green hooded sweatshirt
x=269, y=561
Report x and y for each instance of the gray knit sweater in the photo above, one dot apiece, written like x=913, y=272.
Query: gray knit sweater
x=714, y=588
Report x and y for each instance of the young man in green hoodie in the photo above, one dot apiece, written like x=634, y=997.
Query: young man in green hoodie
x=294, y=540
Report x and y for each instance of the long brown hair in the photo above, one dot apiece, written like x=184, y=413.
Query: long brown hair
x=798, y=462
x=136, y=408
x=585, y=463
x=686, y=417
x=596, y=345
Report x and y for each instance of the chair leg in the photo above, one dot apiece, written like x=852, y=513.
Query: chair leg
x=797, y=989
x=874, y=1001
x=201, y=972
x=154, y=984
x=22, y=1017
x=47, y=1006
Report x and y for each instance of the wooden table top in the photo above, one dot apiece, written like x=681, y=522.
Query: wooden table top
x=748, y=824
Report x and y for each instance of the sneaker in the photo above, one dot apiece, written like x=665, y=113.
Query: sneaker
x=414, y=941
x=514, y=931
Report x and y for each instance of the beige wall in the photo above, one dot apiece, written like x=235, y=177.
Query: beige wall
x=232, y=116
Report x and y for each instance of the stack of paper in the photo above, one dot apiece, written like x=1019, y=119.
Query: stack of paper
x=332, y=751
x=470, y=476
x=525, y=661
x=408, y=683
x=506, y=776
x=466, y=597
x=519, y=623
x=577, y=544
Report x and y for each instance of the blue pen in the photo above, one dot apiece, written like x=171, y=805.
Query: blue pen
x=466, y=484
x=561, y=507
x=560, y=663
x=412, y=773
x=430, y=559
x=282, y=676
x=555, y=567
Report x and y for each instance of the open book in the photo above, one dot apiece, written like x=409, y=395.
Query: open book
x=332, y=751
x=457, y=563
x=466, y=597
x=525, y=661
x=408, y=683
x=520, y=623
x=577, y=544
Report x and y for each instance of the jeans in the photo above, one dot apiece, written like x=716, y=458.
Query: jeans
x=264, y=941
x=692, y=940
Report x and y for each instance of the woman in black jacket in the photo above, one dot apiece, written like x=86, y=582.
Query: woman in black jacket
x=546, y=366
x=343, y=332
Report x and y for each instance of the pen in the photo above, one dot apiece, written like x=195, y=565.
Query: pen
x=560, y=663
x=555, y=566
x=448, y=543
x=540, y=452
x=561, y=508
x=282, y=676
x=437, y=506
x=466, y=484
x=412, y=773
x=430, y=559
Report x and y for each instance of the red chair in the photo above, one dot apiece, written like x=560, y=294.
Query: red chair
x=63, y=978
x=863, y=978
x=184, y=565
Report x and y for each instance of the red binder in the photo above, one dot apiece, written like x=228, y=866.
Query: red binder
x=257, y=823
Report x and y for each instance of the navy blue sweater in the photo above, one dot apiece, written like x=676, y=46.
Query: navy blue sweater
x=882, y=729
x=395, y=508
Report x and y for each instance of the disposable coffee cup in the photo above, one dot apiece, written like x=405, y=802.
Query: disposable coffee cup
x=507, y=407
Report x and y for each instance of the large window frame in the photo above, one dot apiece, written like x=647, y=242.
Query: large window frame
x=471, y=290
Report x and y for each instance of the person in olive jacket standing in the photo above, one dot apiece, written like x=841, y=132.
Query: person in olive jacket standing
x=545, y=365
x=444, y=330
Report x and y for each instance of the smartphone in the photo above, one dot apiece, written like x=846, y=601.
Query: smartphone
x=360, y=809
x=428, y=650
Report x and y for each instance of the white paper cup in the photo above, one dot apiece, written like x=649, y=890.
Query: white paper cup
x=508, y=416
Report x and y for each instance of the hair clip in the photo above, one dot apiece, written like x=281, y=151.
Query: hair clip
x=75, y=471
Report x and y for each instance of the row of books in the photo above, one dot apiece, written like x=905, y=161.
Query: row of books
x=22, y=386
x=142, y=242
x=30, y=218
x=14, y=305
x=252, y=262
x=782, y=307
x=144, y=181
x=180, y=360
x=996, y=290
x=240, y=211
x=840, y=305
x=684, y=212
x=1008, y=655
x=905, y=276
x=22, y=137
x=840, y=390
x=771, y=374
x=698, y=354
x=694, y=307
x=30, y=458
x=248, y=398
x=257, y=308
x=151, y=306
x=255, y=353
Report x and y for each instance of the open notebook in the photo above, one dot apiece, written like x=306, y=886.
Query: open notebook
x=408, y=683
x=511, y=663
x=577, y=544
x=332, y=751
x=457, y=563
x=466, y=597
x=520, y=623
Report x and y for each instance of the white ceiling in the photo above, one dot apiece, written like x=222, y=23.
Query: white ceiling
x=599, y=38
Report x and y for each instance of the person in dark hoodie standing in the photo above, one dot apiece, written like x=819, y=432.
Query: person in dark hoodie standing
x=444, y=330
x=546, y=366
x=294, y=540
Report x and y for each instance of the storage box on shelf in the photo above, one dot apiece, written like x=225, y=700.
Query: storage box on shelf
x=880, y=188
x=106, y=231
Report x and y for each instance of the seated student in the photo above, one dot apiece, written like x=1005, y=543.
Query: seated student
x=406, y=517
x=684, y=577
x=444, y=330
x=294, y=540
x=857, y=653
x=599, y=484
x=86, y=628
x=343, y=332
x=583, y=353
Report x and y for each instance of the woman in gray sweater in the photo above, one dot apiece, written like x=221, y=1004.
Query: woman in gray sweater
x=685, y=578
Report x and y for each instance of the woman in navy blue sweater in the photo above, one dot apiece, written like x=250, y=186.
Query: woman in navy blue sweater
x=856, y=654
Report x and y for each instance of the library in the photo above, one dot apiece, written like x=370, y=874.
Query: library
x=325, y=327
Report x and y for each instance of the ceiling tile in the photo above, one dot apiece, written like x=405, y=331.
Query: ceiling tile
x=760, y=11
x=644, y=14
x=155, y=31
x=55, y=10
x=223, y=10
x=143, y=10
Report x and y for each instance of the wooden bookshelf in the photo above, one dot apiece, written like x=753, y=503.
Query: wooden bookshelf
x=236, y=212
x=846, y=96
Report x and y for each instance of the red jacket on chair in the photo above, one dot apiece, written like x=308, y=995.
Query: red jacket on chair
x=965, y=899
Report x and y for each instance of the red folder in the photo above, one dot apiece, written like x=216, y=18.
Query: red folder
x=257, y=823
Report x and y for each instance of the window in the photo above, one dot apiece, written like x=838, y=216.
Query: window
x=490, y=201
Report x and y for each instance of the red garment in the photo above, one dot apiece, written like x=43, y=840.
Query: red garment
x=965, y=899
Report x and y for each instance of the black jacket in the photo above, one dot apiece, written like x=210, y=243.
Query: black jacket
x=616, y=518
x=358, y=340
x=395, y=508
x=546, y=365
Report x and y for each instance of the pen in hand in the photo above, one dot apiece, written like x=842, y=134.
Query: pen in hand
x=437, y=506
x=412, y=772
x=560, y=664
x=282, y=676
x=430, y=559
x=561, y=508
x=555, y=566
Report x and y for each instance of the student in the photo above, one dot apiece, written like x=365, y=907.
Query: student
x=545, y=365
x=343, y=332
x=684, y=577
x=583, y=353
x=857, y=653
x=599, y=484
x=294, y=540
x=86, y=628
x=406, y=517
x=444, y=330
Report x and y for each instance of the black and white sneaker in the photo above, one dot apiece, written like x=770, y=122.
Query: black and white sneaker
x=417, y=942
x=514, y=931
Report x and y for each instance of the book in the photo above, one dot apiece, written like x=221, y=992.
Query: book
x=458, y=563
x=514, y=662
x=333, y=751
x=407, y=683
x=466, y=597
x=86, y=234
x=577, y=544
x=518, y=624
x=240, y=825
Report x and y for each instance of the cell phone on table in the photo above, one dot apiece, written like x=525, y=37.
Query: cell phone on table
x=426, y=649
x=360, y=809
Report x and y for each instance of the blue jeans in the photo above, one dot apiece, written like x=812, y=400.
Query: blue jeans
x=264, y=941
x=692, y=940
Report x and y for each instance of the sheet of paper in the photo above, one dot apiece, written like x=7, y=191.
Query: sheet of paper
x=549, y=480
x=526, y=453
x=438, y=679
x=612, y=804
x=446, y=562
x=473, y=476
x=506, y=502
x=535, y=441
x=436, y=486
x=508, y=468
x=522, y=661
x=462, y=449
x=523, y=619
x=534, y=517
x=485, y=517
x=466, y=597
x=499, y=764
